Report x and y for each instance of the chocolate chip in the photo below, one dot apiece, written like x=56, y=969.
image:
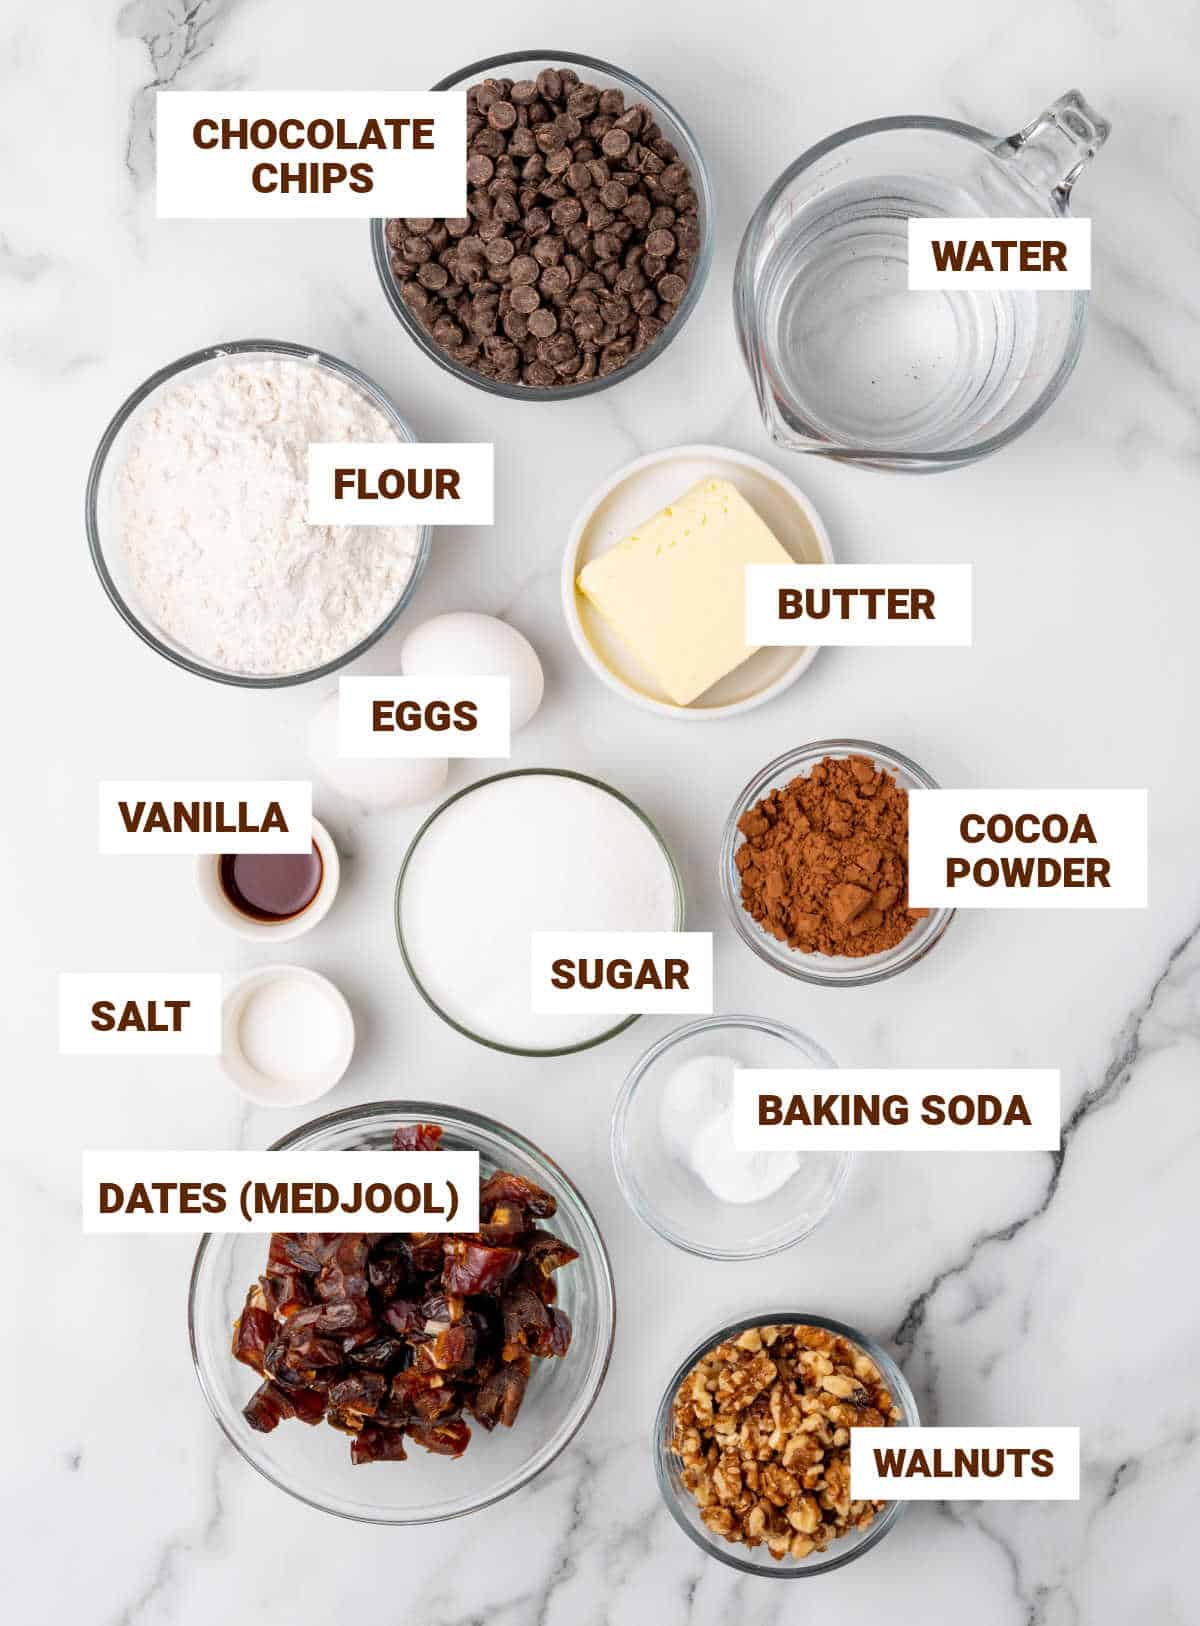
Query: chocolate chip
x=499, y=251
x=525, y=299
x=671, y=288
x=615, y=143
x=549, y=84
x=661, y=244
x=523, y=92
x=555, y=279
x=480, y=169
x=502, y=115
x=542, y=323
x=612, y=102
x=524, y=269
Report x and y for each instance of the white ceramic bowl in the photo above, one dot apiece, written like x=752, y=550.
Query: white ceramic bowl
x=291, y=1088
x=632, y=495
x=208, y=884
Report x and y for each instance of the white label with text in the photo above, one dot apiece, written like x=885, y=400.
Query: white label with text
x=978, y=252
x=159, y=1193
x=964, y=1464
x=922, y=605
x=1027, y=849
x=310, y=155
x=424, y=716
x=139, y=1013
x=393, y=483
x=205, y=816
x=883, y=1109
x=622, y=972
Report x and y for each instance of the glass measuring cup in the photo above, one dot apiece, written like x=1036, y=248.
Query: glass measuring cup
x=845, y=359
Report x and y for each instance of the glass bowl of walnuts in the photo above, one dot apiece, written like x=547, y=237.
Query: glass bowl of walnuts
x=587, y=239
x=752, y=1442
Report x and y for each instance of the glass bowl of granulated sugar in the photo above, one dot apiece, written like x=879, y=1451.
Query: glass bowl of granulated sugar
x=197, y=516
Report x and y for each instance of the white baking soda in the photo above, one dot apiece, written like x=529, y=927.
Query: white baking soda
x=537, y=852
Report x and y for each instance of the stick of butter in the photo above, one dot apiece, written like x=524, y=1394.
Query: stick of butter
x=674, y=589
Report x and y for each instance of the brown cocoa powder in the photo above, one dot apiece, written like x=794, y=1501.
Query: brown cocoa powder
x=824, y=866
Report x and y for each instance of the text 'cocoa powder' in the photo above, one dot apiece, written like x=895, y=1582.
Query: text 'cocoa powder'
x=824, y=866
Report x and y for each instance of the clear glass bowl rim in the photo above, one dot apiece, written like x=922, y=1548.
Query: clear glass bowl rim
x=433, y=1112
x=127, y=612
x=631, y=1191
x=898, y=1387
x=487, y=67
x=518, y=773
x=953, y=458
x=806, y=969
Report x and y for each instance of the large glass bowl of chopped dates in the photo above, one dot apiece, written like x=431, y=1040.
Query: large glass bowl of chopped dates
x=411, y=1377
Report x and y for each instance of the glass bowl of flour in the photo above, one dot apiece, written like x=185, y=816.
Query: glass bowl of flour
x=197, y=516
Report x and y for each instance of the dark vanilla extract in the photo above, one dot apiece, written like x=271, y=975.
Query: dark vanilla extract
x=271, y=887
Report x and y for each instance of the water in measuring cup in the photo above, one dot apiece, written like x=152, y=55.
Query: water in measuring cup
x=858, y=358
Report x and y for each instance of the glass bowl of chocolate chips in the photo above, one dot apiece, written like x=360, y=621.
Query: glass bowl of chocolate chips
x=408, y=1378
x=587, y=238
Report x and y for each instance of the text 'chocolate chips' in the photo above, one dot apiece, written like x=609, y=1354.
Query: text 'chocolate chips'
x=577, y=247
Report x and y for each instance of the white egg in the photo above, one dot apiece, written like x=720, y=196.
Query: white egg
x=468, y=644
x=374, y=782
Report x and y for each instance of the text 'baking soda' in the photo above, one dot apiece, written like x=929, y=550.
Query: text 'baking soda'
x=877, y=1109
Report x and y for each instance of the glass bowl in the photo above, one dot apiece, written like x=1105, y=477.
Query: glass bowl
x=665, y=1194
x=492, y=1042
x=832, y=970
x=527, y=65
x=313, y=1464
x=104, y=540
x=757, y=1560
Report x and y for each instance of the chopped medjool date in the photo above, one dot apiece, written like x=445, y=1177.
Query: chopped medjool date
x=252, y=1332
x=417, y=1138
x=507, y=1188
x=375, y=1444
x=474, y=1267
x=445, y=1439
x=498, y=1398
x=387, y=1336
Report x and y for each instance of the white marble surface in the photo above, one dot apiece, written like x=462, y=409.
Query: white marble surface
x=1015, y=1288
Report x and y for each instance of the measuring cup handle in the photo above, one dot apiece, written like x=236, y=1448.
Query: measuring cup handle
x=1050, y=152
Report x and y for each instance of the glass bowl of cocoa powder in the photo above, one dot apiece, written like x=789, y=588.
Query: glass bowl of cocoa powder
x=814, y=864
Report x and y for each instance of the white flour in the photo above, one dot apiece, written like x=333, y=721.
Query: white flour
x=211, y=502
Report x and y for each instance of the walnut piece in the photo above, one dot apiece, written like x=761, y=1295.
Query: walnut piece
x=764, y=1442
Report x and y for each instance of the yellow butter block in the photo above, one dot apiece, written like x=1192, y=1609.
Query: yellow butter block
x=674, y=589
